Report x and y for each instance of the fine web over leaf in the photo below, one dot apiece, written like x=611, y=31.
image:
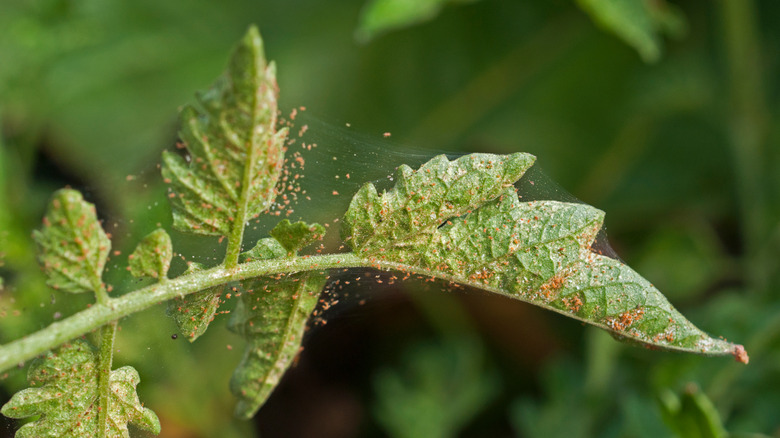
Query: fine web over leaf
x=294, y=236
x=235, y=159
x=461, y=221
x=440, y=223
x=65, y=394
x=235, y=150
x=422, y=200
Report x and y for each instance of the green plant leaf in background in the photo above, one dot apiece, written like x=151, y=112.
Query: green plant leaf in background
x=380, y=16
x=193, y=313
x=72, y=245
x=5, y=216
x=640, y=23
x=271, y=315
x=236, y=152
x=692, y=414
x=459, y=221
x=65, y=395
x=437, y=389
x=152, y=256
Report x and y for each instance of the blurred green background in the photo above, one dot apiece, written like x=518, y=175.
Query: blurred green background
x=665, y=115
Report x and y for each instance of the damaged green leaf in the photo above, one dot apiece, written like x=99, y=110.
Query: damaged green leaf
x=538, y=252
x=72, y=245
x=235, y=151
x=152, y=256
x=298, y=235
x=271, y=315
x=193, y=313
x=65, y=394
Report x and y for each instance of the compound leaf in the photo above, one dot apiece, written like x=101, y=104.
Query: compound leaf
x=65, y=394
x=271, y=315
x=72, y=245
x=152, y=256
x=538, y=252
x=194, y=312
x=236, y=152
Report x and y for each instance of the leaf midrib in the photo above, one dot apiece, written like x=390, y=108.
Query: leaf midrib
x=237, y=226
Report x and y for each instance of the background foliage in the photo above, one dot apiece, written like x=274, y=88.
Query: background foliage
x=664, y=115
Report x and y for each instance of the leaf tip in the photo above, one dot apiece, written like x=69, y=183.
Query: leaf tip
x=254, y=43
x=253, y=35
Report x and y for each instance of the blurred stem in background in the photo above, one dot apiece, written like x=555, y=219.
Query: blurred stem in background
x=748, y=120
x=748, y=127
x=447, y=122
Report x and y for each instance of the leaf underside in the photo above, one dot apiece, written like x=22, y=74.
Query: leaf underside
x=235, y=160
x=72, y=245
x=194, y=312
x=152, y=256
x=294, y=236
x=538, y=252
x=65, y=394
x=271, y=315
x=235, y=152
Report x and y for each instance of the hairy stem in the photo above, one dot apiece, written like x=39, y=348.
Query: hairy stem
x=101, y=314
x=234, y=247
x=98, y=315
x=104, y=375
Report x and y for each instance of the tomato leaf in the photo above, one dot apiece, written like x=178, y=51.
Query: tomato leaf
x=295, y=236
x=639, y=23
x=235, y=151
x=194, y=312
x=152, y=256
x=475, y=231
x=271, y=315
x=72, y=245
x=65, y=394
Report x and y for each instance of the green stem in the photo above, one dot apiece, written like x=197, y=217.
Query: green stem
x=237, y=232
x=256, y=144
x=101, y=294
x=100, y=314
x=104, y=375
x=234, y=247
